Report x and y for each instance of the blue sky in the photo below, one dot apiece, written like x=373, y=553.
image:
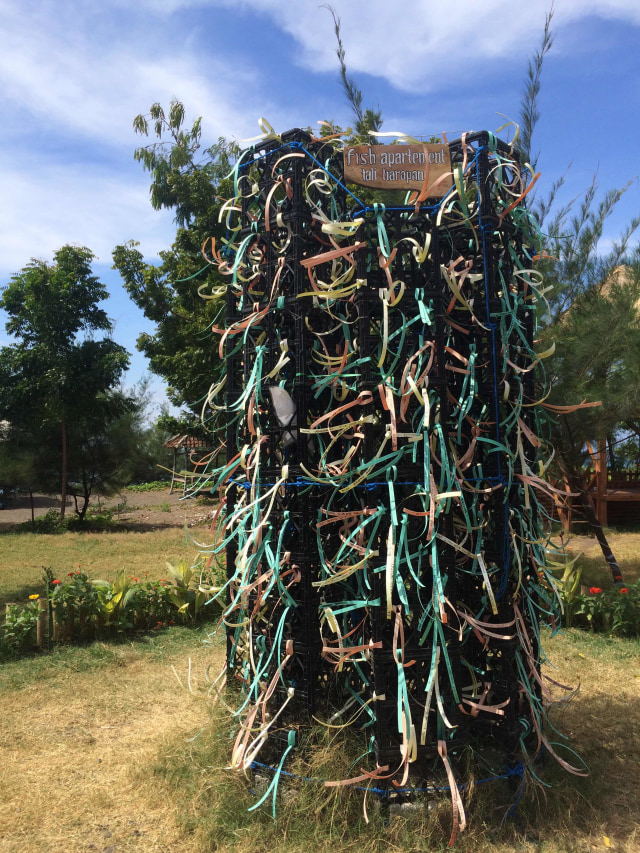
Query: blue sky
x=74, y=73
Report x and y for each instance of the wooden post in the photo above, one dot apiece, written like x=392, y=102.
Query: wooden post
x=173, y=473
x=601, y=482
x=42, y=627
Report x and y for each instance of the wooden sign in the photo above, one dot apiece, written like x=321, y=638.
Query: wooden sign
x=400, y=167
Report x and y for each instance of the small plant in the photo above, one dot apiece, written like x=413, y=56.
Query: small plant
x=188, y=601
x=615, y=611
x=114, y=600
x=152, y=604
x=567, y=574
x=80, y=608
x=49, y=523
x=75, y=603
x=19, y=630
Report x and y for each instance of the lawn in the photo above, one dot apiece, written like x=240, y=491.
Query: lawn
x=626, y=548
x=105, y=749
x=101, y=555
x=82, y=729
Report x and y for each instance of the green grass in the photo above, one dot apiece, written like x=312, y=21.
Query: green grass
x=154, y=486
x=100, y=656
x=101, y=555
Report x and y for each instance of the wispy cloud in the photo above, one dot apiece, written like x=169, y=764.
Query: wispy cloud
x=53, y=204
x=95, y=88
x=412, y=43
x=69, y=91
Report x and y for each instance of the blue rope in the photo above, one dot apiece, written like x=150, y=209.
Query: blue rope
x=516, y=770
x=303, y=481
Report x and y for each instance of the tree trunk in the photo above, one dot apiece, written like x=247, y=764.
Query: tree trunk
x=590, y=516
x=83, y=509
x=33, y=510
x=63, y=487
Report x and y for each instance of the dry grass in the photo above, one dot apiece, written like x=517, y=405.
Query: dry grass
x=573, y=816
x=595, y=572
x=101, y=555
x=97, y=750
x=77, y=728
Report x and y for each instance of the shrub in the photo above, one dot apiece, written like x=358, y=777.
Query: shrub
x=615, y=611
x=84, y=609
x=155, y=486
x=18, y=633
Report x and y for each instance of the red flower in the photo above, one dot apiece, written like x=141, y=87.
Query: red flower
x=623, y=589
x=594, y=590
x=56, y=582
x=71, y=574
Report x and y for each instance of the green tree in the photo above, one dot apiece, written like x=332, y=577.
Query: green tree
x=191, y=183
x=57, y=376
x=111, y=447
x=592, y=318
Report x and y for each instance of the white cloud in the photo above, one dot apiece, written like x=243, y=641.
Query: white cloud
x=68, y=92
x=74, y=75
x=48, y=206
x=413, y=43
x=427, y=42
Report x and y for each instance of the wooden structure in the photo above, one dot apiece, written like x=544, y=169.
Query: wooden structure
x=605, y=486
x=610, y=486
x=190, y=450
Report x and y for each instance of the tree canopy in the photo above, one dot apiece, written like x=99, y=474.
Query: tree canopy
x=191, y=184
x=58, y=382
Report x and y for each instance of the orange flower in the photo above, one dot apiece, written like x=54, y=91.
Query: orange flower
x=594, y=590
x=56, y=582
x=623, y=589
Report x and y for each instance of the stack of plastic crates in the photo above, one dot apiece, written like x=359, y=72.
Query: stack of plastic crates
x=382, y=531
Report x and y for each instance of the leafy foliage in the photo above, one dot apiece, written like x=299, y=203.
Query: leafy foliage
x=151, y=486
x=593, y=318
x=365, y=119
x=529, y=109
x=82, y=608
x=58, y=383
x=189, y=183
x=615, y=611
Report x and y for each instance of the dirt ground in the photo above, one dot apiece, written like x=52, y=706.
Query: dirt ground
x=135, y=510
